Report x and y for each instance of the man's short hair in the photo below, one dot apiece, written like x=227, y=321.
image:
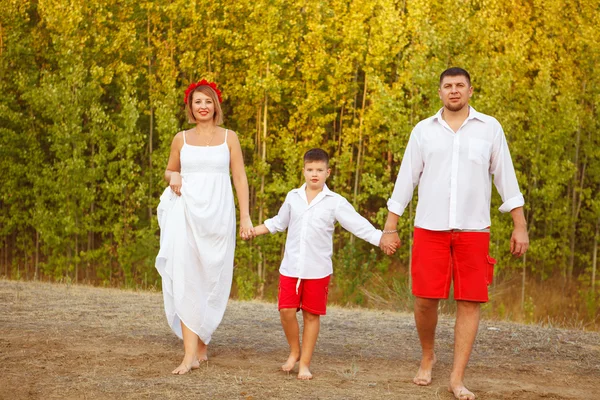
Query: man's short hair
x=316, y=155
x=455, y=71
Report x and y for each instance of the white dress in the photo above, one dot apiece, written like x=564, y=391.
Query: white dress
x=197, y=241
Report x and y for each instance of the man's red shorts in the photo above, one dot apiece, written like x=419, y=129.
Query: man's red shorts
x=311, y=295
x=440, y=257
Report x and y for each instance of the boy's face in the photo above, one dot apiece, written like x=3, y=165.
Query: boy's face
x=315, y=174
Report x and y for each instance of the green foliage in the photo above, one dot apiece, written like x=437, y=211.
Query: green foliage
x=90, y=99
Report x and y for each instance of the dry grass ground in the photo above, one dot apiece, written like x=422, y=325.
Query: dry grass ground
x=78, y=342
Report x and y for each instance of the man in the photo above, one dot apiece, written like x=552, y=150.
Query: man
x=452, y=157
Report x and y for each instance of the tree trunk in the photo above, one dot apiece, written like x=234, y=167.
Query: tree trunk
x=151, y=128
x=263, y=157
x=574, y=208
x=523, y=281
x=37, y=255
x=595, y=254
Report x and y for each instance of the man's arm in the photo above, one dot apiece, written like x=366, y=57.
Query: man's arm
x=519, y=240
x=390, y=240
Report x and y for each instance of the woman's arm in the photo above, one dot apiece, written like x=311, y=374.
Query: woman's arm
x=172, y=173
x=240, y=181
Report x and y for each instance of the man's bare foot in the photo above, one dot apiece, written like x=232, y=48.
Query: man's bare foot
x=184, y=367
x=291, y=361
x=423, y=377
x=461, y=392
x=303, y=373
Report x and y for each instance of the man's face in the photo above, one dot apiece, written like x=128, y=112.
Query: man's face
x=316, y=173
x=455, y=92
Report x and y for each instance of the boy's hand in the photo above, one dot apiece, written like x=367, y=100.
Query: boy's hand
x=390, y=242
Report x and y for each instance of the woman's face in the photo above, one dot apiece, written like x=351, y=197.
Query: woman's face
x=203, y=107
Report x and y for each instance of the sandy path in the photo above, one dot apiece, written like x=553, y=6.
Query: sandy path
x=77, y=342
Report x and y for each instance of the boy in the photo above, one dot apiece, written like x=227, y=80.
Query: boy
x=310, y=213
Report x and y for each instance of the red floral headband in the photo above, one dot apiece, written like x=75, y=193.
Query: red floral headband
x=203, y=82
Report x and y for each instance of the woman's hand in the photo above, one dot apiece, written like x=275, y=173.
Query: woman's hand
x=246, y=228
x=175, y=183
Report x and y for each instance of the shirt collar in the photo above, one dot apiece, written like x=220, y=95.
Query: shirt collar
x=473, y=114
x=302, y=192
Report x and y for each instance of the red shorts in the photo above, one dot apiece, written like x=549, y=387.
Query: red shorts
x=311, y=295
x=440, y=257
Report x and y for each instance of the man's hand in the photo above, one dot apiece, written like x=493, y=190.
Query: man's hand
x=390, y=242
x=519, y=241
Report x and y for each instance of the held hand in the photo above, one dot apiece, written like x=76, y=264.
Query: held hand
x=390, y=242
x=175, y=183
x=246, y=228
x=519, y=241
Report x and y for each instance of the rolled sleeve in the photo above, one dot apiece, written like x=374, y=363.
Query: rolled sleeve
x=271, y=225
x=395, y=207
x=512, y=203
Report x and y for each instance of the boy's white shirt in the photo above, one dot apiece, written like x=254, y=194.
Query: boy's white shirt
x=309, y=244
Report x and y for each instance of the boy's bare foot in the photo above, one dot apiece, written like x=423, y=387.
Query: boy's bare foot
x=291, y=361
x=423, y=377
x=304, y=374
x=461, y=392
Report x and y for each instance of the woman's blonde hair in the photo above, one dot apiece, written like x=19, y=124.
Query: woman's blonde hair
x=207, y=90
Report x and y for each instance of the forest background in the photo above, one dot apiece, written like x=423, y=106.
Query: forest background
x=91, y=95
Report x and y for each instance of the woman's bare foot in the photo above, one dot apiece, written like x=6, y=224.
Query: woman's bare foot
x=185, y=367
x=202, y=352
x=290, y=363
x=303, y=373
x=461, y=392
x=423, y=377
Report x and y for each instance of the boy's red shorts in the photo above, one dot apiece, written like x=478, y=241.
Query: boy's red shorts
x=440, y=257
x=311, y=295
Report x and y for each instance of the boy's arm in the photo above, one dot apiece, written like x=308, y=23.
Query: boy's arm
x=260, y=230
x=280, y=222
x=355, y=223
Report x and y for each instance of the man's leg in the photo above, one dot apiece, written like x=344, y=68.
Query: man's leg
x=312, y=324
x=426, y=317
x=292, y=334
x=465, y=331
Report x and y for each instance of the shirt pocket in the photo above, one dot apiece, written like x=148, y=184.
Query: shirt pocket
x=322, y=218
x=479, y=151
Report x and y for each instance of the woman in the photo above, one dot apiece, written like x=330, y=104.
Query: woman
x=196, y=216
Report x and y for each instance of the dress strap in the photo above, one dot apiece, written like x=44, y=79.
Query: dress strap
x=184, y=142
x=226, y=130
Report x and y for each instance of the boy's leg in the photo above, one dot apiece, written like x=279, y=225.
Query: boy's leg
x=190, y=346
x=314, y=304
x=288, y=302
x=292, y=334
x=312, y=324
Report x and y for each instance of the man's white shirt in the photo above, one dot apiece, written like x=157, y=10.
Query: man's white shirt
x=454, y=173
x=309, y=244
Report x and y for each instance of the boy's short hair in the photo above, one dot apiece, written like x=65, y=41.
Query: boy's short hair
x=316, y=155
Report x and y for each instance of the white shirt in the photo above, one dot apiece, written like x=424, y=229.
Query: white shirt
x=454, y=173
x=309, y=243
